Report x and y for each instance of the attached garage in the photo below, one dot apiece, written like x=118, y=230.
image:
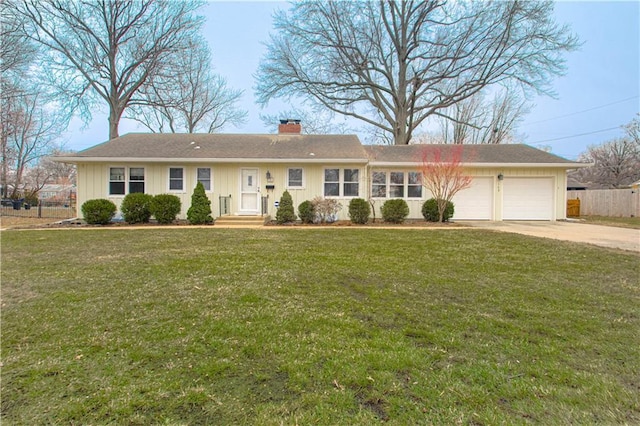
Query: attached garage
x=475, y=202
x=527, y=199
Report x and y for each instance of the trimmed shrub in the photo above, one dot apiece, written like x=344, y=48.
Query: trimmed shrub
x=359, y=211
x=200, y=211
x=395, y=211
x=285, y=213
x=165, y=208
x=98, y=211
x=430, y=211
x=305, y=212
x=135, y=207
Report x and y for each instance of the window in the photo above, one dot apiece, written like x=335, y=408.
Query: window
x=295, y=178
x=414, y=185
x=351, y=182
x=379, y=184
x=396, y=185
x=116, y=181
x=332, y=182
x=176, y=179
x=204, y=177
x=399, y=184
x=136, y=179
x=341, y=183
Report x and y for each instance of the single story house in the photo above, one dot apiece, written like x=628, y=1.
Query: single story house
x=246, y=174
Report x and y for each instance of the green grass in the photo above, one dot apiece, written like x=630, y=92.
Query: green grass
x=328, y=326
x=621, y=222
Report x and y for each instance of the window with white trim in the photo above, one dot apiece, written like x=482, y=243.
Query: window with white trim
x=176, y=179
x=295, y=178
x=414, y=185
x=379, y=184
x=351, y=185
x=331, y=182
x=116, y=180
x=396, y=184
x=136, y=179
x=341, y=182
x=203, y=175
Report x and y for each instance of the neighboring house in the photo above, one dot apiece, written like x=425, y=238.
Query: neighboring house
x=246, y=174
x=56, y=193
x=575, y=185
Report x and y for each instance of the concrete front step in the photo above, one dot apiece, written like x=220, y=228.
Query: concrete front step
x=241, y=221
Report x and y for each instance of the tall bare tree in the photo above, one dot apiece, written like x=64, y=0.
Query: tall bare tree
x=104, y=51
x=188, y=96
x=477, y=120
x=406, y=60
x=616, y=163
x=17, y=55
x=315, y=121
x=34, y=132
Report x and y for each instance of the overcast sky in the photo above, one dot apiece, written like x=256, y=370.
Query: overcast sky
x=600, y=92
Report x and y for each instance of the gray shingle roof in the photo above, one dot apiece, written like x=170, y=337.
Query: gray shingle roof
x=228, y=146
x=287, y=147
x=486, y=153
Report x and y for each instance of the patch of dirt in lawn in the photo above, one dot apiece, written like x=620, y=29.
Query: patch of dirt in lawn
x=12, y=222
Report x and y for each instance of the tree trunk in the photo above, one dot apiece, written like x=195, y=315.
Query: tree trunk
x=114, y=122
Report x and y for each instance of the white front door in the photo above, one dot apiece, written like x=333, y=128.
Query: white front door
x=249, y=192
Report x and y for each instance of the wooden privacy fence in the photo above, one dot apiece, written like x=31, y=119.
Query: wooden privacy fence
x=606, y=202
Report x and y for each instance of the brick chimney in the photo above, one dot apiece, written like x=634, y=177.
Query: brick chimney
x=290, y=126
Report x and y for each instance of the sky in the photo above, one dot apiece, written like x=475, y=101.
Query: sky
x=599, y=93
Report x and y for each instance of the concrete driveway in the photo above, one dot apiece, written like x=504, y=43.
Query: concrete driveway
x=604, y=236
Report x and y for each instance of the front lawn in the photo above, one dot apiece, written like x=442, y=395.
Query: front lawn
x=316, y=326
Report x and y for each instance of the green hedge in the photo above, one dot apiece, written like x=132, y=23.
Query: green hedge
x=359, y=211
x=430, y=211
x=395, y=211
x=98, y=211
x=165, y=208
x=136, y=207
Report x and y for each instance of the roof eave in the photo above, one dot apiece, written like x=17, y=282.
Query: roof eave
x=76, y=160
x=484, y=165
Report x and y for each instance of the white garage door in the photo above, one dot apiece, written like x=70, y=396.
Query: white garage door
x=475, y=202
x=527, y=199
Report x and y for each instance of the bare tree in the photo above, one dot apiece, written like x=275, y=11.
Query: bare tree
x=443, y=174
x=104, y=51
x=407, y=60
x=188, y=97
x=315, y=121
x=476, y=120
x=33, y=134
x=616, y=163
x=17, y=54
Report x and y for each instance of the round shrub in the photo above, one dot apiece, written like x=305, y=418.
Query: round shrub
x=306, y=212
x=165, y=208
x=359, y=211
x=395, y=211
x=430, y=211
x=285, y=213
x=136, y=207
x=200, y=211
x=98, y=212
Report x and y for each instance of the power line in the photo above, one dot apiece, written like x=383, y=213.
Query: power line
x=575, y=136
x=583, y=111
